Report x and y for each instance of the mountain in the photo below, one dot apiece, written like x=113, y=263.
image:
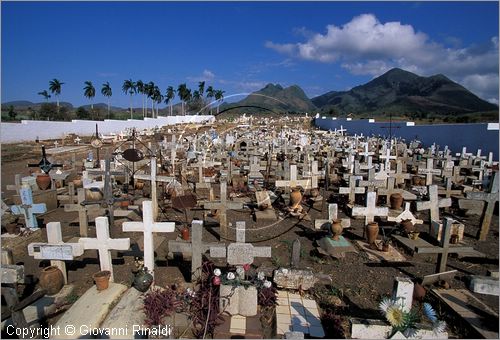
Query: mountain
x=403, y=92
x=25, y=104
x=276, y=98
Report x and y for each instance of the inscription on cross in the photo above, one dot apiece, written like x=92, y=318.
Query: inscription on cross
x=429, y=171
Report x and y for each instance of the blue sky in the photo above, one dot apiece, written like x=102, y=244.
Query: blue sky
x=241, y=46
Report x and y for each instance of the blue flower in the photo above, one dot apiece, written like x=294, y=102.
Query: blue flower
x=429, y=312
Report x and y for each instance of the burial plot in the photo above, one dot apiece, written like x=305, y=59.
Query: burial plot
x=265, y=210
x=433, y=205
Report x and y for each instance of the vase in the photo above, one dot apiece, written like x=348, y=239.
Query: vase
x=336, y=229
x=372, y=232
x=396, y=201
x=12, y=228
x=295, y=197
x=43, y=181
x=51, y=279
x=143, y=280
x=93, y=194
x=102, y=279
x=407, y=226
x=185, y=233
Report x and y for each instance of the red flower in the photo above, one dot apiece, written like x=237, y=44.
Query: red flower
x=246, y=267
x=216, y=280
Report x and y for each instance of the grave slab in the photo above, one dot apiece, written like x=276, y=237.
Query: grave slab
x=294, y=279
x=89, y=310
x=265, y=215
x=328, y=246
x=380, y=256
x=430, y=279
x=484, y=285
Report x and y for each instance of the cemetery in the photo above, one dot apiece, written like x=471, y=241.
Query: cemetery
x=252, y=228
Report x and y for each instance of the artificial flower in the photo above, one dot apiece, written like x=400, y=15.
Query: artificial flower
x=240, y=271
x=261, y=276
x=284, y=271
x=395, y=316
x=385, y=304
x=216, y=280
x=230, y=276
x=439, y=327
x=217, y=272
x=267, y=284
x=246, y=267
x=429, y=312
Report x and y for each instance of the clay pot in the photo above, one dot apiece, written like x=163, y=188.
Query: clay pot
x=372, y=232
x=295, y=197
x=396, y=201
x=139, y=185
x=102, y=279
x=413, y=235
x=407, y=226
x=143, y=280
x=51, y=279
x=124, y=204
x=93, y=194
x=422, y=181
x=415, y=180
x=419, y=292
x=336, y=229
x=43, y=181
x=12, y=228
x=78, y=183
x=185, y=233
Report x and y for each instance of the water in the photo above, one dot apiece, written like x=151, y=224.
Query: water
x=473, y=136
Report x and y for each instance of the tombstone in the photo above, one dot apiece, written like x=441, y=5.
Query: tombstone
x=332, y=215
x=490, y=198
x=429, y=171
x=28, y=209
x=55, y=249
x=370, y=210
x=295, y=253
x=433, y=204
x=402, y=292
x=148, y=226
x=82, y=211
x=352, y=190
x=104, y=244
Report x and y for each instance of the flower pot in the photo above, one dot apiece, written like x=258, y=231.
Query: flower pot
x=295, y=197
x=139, y=185
x=185, y=233
x=396, y=201
x=12, y=228
x=102, y=279
x=93, y=194
x=51, y=279
x=43, y=181
x=143, y=280
x=372, y=232
x=78, y=183
x=407, y=226
x=336, y=229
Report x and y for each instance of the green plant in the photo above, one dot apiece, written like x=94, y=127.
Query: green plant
x=276, y=261
x=70, y=299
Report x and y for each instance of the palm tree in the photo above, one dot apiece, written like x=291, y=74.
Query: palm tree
x=45, y=94
x=89, y=92
x=181, y=92
x=149, y=89
x=55, y=87
x=210, y=95
x=169, y=96
x=197, y=99
x=139, y=85
x=107, y=92
x=219, y=96
x=129, y=88
x=188, y=96
x=158, y=98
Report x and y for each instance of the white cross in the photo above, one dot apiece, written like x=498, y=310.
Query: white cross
x=28, y=208
x=104, y=244
x=77, y=140
x=352, y=189
x=399, y=175
x=387, y=158
x=148, y=227
x=55, y=249
x=293, y=182
x=433, y=204
x=82, y=211
x=371, y=210
x=405, y=215
x=429, y=171
x=332, y=215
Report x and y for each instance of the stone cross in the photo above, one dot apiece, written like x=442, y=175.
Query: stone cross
x=153, y=178
x=433, y=204
x=82, y=211
x=490, y=198
x=148, y=226
x=28, y=208
x=399, y=175
x=332, y=215
x=387, y=192
x=448, y=191
x=55, y=249
x=352, y=189
x=372, y=182
x=405, y=215
x=241, y=253
x=387, y=158
x=371, y=210
x=196, y=247
x=104, y=244
x=293, y=182
x=429, y=171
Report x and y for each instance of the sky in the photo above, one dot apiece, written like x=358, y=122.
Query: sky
x=240, y=47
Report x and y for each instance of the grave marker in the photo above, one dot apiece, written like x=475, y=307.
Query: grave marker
x=28, y=209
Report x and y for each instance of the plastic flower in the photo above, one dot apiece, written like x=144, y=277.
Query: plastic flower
x=395, y=316
x=284, y=271
x=267, y=284
x=439, y=327
x=240, y=271
x=246, y=267
x=217, y=272
x=216, y=280
x=429, y=312
x=385, y=304
x=230, y=276
x=261, y=276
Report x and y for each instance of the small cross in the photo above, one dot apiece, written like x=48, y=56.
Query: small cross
x=28, y=208
x=104, y=244
x=332, y=215
x=429, y=171
x=82, y=211
x=433, y=204
x=371, y=210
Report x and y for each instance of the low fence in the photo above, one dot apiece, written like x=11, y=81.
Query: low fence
x=29, y=130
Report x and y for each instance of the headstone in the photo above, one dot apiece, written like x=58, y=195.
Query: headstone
x=295, y=253
x=402, y=292
x=28, y=208
x=371, y=210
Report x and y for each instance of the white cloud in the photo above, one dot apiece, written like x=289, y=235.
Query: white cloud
x=365, y=46
x=246, y=86
x=206, y=75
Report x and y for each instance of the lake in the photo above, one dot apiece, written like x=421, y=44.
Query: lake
x=473, y=136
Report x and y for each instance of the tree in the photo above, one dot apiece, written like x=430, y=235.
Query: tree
x=139, y=85
x=107, y=92
x=157, y=97
x=219, y=96
x=201, y=88
x=12, y=113
x=210, y=94
x=52, y=112
x=81, y=113
x=45, y=94
x=196, y=103
x=169, y=96
x=182, y=92
x=129, y=88
x=149, y=89
x=89, y=92
x=55, y=87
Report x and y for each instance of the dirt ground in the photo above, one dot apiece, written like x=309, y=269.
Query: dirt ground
x=360, y=283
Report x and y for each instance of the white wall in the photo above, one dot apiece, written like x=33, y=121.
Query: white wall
x=28, y=130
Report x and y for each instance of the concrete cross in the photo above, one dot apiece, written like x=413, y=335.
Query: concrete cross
x=433, y=204
x=314, y=174
x=202, y=165
x=332, y=215
x=387, y=192
x=490, y=198
x=103, y=243
x=196, y=248
x=387, y=158
x=153, y=178
x=429, y=171
x=222, y=206
x=352, y=189
x=82, y=211
x=17, y=184
x=371, y=210
x=55, y=249
x=293, y=181
x=399, y=175
x=372, y=182
x=349, y=163
x=448, y=191
x=241, y=253
x=28, y=208
x=405, y=215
